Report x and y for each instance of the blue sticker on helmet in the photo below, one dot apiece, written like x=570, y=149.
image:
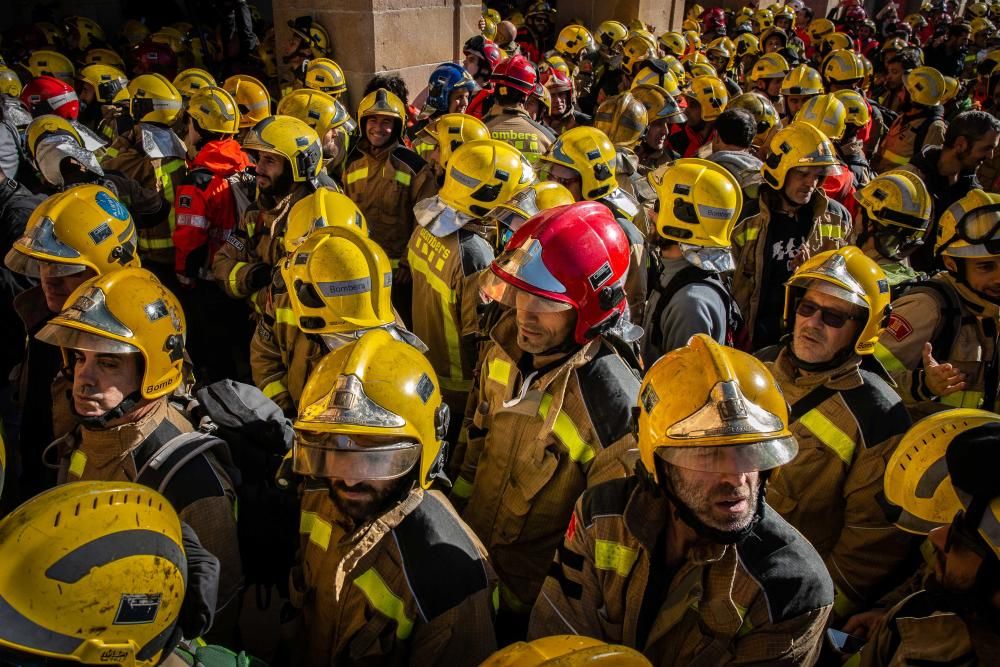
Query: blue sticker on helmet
x=112, y=206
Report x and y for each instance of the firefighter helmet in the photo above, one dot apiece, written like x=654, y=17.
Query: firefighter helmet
x=293, y=140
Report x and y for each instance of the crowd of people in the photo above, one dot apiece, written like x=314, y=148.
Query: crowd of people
x=609, y=346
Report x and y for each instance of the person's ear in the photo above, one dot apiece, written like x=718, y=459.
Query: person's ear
x=949, y=263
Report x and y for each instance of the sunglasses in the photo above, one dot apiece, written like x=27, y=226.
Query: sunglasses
x=831, y=318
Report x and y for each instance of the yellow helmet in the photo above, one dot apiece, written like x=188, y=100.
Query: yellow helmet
x=636, y=50
x=836, y=41
x=819, y=28
x=483, y=174
x=3, y=462
x=695, y=58
x=381, y=388
x=950, y=89
x=702, y=69
x=694, y=12
x=489, y=30
x=978, y=9
x=290, y=138
x=86, y=30
x=106, y=80
x=52, y=63
x=315, y=35
x=104, y=57
x=969, y=227
x=134, y=31
x=760, y=108
x=322, y=208
x=659, y=77
x=590, y=153
x=252, y=98
x=492, y=15
x=552, y=61
x=65, y=140
x=190, y=80
x=980, y=24
x=866, y=64
x=325, y=75
x=9, y=83
x=747, y=44
x=622, y=118
x=125, y=312
x=314, y=108
x=339, y=282
x=574, y=40
x=508, y=217
x=171, y=38
x=848, y=274
x=674, y=43
x=721, y=48
x=731, y=416
x=899, y=198
x=693, y=40
x=660, y=105
x=854, y=103
x=894, y=44
x=85, y=227
x=381, y=102
x=566, y=651
x=925, y=85
x=697, y=202
x=214, y=110
x=710, y=94
x=610, y=34
x=918, y=480
x=798, y=145
x=826, y=113
x=453, y=130
x=843, y=66
x=92, y=571
x=769, y=66
x=153, y=99
x=675, y=67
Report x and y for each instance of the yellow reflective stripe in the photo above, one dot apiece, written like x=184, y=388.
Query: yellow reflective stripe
x=77, y=463
x=895, y=158
x=285, y=316
x=512, y=601
x=419, y=265
x=394, y=263
x=234, y=283
x=842, y=605
x=888, y=359
x=385, y=601
x=829, y=434
x=831, y=231
x=499, y=371
x=614, y=557
x=276, y=388
x=403, y=178
x=853, y=661
x=567, y=433
x=155, y=244
x=749, y=233
x=163, y=173
x=109, y=151
x=963, y=399
x=495, y=598
x=462, y=487
x=317, y=529
x=746, y=625
x=356, y=175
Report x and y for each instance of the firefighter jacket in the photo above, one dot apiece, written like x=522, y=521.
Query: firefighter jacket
x=445, y=263
x=852, y=154
x=155, y=158
x=908, y=135
x=830, y=229
x=920, y=631
x=544, y=428
x=258, y=239
x=632, y=219
x=650, y=160
x=515, y=126
x=763, y=601
x=411, y=587
x=962, y=328
x=386, y=184
x=847, y=422
x=201, y=489
x=206, y=206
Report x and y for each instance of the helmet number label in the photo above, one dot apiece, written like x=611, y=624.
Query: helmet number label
x=600, y=276
x=137, y=609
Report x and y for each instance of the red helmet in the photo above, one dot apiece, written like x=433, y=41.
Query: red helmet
x=47, y=94
x=517, y=73
x=149, y=57
x=712, y=19
x=557, y=81
x=485, y=50
x=572, y=256
x=855, y=14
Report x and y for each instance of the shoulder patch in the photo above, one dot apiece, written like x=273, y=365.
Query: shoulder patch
x=435, y=548
x=409, y=158
x=606, y=499
x=791, y=573
x=898, y=327
x=236, y=243
x=609, y=389
x=475, y=252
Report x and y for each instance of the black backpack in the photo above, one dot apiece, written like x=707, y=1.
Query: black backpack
x=250, y=436
x=688, y=276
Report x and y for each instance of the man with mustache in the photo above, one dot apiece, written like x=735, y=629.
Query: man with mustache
x=956, y=618
x=846, y=420
x=683, y=560
x=941, y=342
x=388, y=573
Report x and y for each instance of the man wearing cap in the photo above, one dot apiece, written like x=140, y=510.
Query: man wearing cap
x=683, y=559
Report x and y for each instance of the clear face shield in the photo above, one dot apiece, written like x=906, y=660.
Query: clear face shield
x=525, y=263
x=330, y=455
x=980, y=228
x=42, y=240
x=88, y=312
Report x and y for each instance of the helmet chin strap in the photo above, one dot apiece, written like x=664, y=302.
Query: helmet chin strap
x=96, y=423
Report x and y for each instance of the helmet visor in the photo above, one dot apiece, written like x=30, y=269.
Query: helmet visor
x=27, y=265
x=347, y=404
x=494, y=288
x=981, y=225
x=77, y=339
x=41, y=242
x=505, y=221
x=351, y=457
x=732, y=459
x=525, y=263
x=90, y=313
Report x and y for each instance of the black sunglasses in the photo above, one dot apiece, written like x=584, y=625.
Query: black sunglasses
x=831, y=318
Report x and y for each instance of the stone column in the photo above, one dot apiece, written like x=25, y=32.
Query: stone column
x=663, y=15
x=410, y=37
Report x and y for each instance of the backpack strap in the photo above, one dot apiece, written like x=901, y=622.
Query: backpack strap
x=690, y=275
x=158, y=468
x=811, y=400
